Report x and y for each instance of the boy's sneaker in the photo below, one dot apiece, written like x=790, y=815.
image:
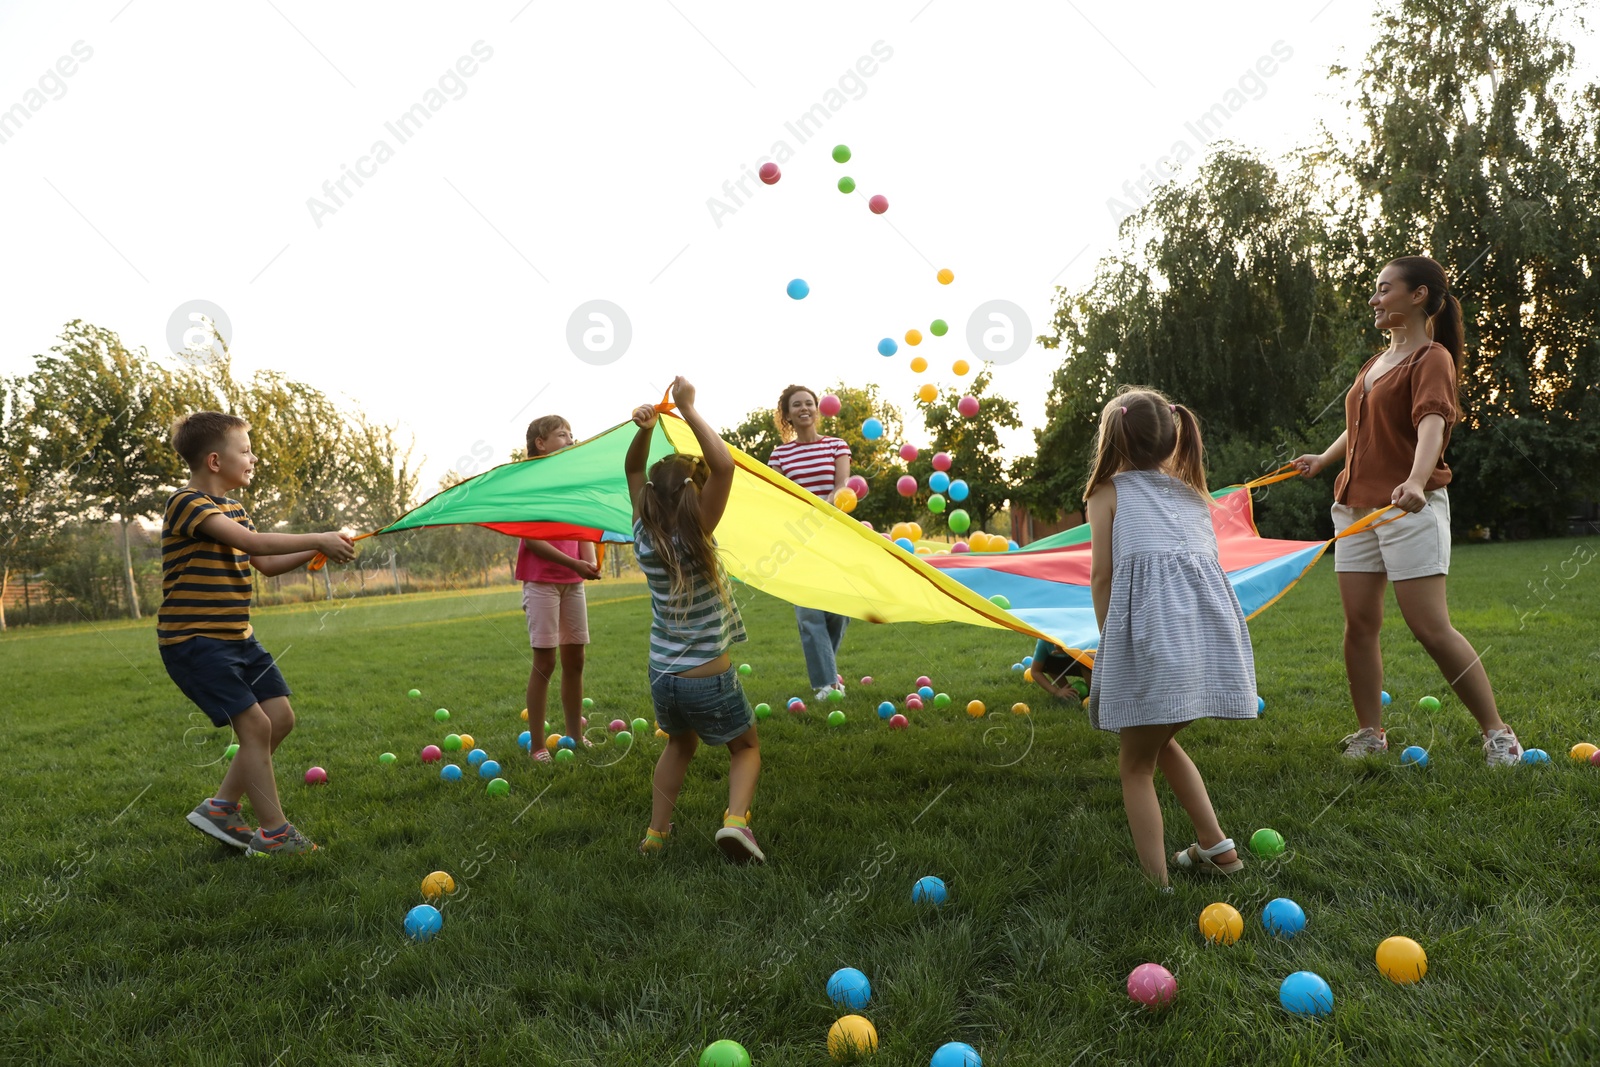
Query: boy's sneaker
x=1365, y=742
x=738, y=843
x=222, y=822
x=289, y=841
x=1500, y=748
x=823, y=694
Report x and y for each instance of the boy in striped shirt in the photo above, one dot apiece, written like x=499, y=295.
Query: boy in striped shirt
x=208, y=545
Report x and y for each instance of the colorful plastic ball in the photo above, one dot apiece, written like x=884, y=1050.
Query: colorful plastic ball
x=724, y=1053
x=477, y=756
x=1221, y=924
x=1594, y=760
x=908, y=452
x=1582, y=751
x=858, y=486
x=624, y=739
x=233, y=750
x=763, y=710
x=836, y=696
x=906, y=543
x=906, y=485
x=564, y=755
x=1267, y=843
x=976, y=709
x=847, y=184
x=798, y=289
x=769, y=173
x=387, y=758
x=568, y=742
x=927, y=393
x=660, y=733
x=967, y=405
x=885, y=710
x=1021, y=709
x=640, y=725
x=1428, y=703
x=941, y=700
x=936, y=504
x=443, y=715
x=498, y=787
x=525, y=741
x=898, y=721
x=316, y=776
x=888, y=347
x=872, y=429
x=452, y=742
x=524, y=714
x=1261, y=706
x=913, y=703
x=960, y=367
x=836, y=718
x=941, y=462
x=436, y=885
x=1415, y=754
x=430, y=753
x=1282, y=917
x=841, y=153
x=467, y=742
x=849, y=988
x=1535, y=755
x=488, y=769
x=616, y=726
x=922, y=680
x=588, y=702
x=928, y=890
x=913, y=337
x=846, y=500
x=945, y=276
x=415, y=694
x=958, y=490
x=1152, y=985
x=552, y=742
x=797, y=707
x=938, y=481
x=956, y=1054
x=1000, y=602
x=1305, y=993
x=1385, y=697
x=450, y=773
x=850, y=1037
x=829, y=405
x=878, y=204
x=938, y=327
x=423, y=921
x=959, y=522
x=1402, y=960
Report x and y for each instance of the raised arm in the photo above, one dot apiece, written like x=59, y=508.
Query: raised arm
x=719, y=461
x=644, y=416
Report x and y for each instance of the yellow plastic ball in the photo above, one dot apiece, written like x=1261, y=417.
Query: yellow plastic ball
x=918, y=364
x=661, y=733
x=1402, y=960
x=913, y=337
x=1582, y=751
x=976, y=709
x=899, y=530
x=1027, y=674
x=946, y=276
x=1221, y=924
x=850, y=1037
x=845, y=500
x=927, y=393
x=1020, y=709
x=961, y=367
x=915, y=529
x=524, y=714
x=436, y=885
x=552, y=742
x=467, y=743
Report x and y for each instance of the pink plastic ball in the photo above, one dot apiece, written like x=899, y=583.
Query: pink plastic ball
x=1152, y=985
x=879, y=204
x=1594, y=758
x=968, y=406
x=941, y=461
x=908, y=452
x=924, y=680
x=316, y=776
x=616, y=726
x=960, y=546
x=769, y=173
x=858, y=485
x=431, y=753
x=829, y=405
x=913, y=703
x=907, y=485
x=898, y=721
x=867, y=680
x=798, y=707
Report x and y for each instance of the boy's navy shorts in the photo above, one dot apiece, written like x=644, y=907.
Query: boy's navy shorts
x=224, y=677
x=714, y=707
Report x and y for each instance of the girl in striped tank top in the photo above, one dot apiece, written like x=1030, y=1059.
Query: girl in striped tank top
x=693, y=620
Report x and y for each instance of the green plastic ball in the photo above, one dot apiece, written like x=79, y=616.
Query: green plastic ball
x=941, y=700
x=415, y=694
x=1000, y=602
x=387, y=758
x=763, y=710
x=938, y=327
x=841, y=153
x=744, y=670
x=847, y=184
x=588, y=702
x=563, y=755
x=623, y=739
x=836, y=696
x=231, y=751
x=959, y=521
x=1428, y=703
x=498, y=787
x=724, y=1053
x=641, y=726
x=836, y=718
x=452, y=742
x=443, y=715
x=1267, y=843
x=936, y=504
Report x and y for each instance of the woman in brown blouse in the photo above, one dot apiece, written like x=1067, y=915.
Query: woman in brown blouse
x=1398, y=417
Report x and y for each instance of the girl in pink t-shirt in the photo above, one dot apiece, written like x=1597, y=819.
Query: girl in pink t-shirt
x=552, y=575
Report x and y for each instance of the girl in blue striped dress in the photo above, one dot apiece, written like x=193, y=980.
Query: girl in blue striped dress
x=693, y=620
x=1174, y=646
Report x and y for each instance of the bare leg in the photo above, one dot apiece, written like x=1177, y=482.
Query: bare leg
x=1362, y=594
x=281, y=716
x=1422, y=602
x=668, y=779
x=544, y=665
x=744, y=767
x=250, y=773
x=1184, y=778
x=1136, y=762
x=571, y=689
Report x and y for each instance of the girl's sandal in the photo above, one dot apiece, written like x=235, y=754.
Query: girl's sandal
x=1195, y=858
x=653, y=842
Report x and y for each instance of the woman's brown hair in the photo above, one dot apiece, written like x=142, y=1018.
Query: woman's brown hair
x=781, y=415
x=1441, y=307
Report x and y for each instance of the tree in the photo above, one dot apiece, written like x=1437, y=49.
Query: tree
x=974, y=447
x=30, y=485
x=109, y=412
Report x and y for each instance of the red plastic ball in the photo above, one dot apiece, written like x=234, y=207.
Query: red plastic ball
x=941, y=461
x=968, y=406
x=908, y=452
x=898, y=721
x=829, y=405
x=769, y=173
x=907, y=485
x=879, y=204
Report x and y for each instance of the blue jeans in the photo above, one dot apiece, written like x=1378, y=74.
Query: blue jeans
x=820, y=635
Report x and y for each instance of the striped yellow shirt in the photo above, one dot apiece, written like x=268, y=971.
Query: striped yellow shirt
x=205, y=586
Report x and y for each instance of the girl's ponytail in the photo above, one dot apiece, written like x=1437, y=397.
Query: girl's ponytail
x=1188, y=458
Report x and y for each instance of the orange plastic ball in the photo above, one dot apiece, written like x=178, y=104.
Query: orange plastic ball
x=913, y=337
x=918, y=364
x=927, y=393
x=946, y=276
x=976, y=709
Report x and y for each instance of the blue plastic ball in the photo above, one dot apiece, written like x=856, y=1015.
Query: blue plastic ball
x=958, y=490
x=1017, y=667
x=1385, y=697
x=450, y=772
x=525, y=740
x=1535, y=755
x=928, y=890
x=905, y=543
x=1261, y=705
x=488, y=769
x=567, y=742
x=1012, y=545
x=938, y=481
x=1305, y=993
x=793, y=701
x=1282, y=917
x=477, y=756
x=956, y=1054
x=798, y=289
x=887, y=347
x=849, y=988
x=423, y=921
x=872, y=429
x=1027, y=661
x=1415, y=754
x=926, y=692
x=885, y=710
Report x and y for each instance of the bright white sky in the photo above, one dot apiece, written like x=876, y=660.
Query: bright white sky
x=176, y=162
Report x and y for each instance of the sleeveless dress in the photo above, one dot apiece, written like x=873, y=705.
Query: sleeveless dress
x=1175, y=645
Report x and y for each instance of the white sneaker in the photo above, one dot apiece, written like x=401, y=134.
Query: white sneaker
x=1365, y=742
x=822, y=694
x=1501, y=749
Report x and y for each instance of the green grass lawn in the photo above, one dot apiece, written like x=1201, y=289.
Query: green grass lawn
x=128, y=937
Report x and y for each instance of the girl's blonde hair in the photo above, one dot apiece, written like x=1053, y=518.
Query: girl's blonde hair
x=669, y=510
x=544, y=427
x=781, y=415
x=1140, y=429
